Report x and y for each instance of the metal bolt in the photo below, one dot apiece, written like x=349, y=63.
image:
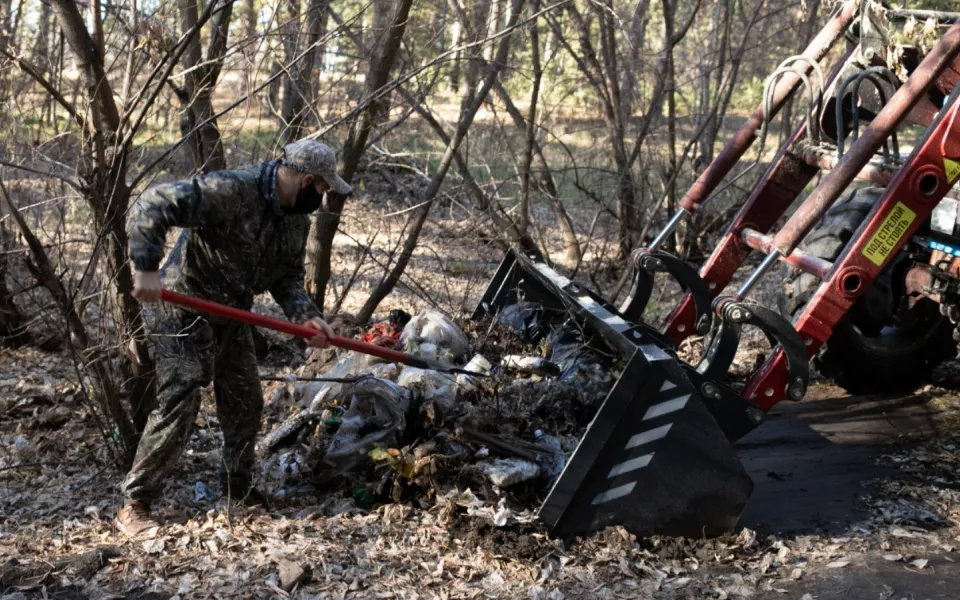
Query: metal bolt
x=746, y=315
x=712, y=285
x=681, y=328
x=755, y=414
x=736, y=314
x=710, y=390
x=703, y=324
x=797, y=390
x=807, y=341
x=768, y=392
x=652, y=263
x=636, y=334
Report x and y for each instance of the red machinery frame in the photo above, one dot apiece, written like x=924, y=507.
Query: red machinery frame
x=793, y=168
x=923, y=181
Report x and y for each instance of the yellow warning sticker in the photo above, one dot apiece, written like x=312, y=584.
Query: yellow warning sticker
x=890, y=232
x=952, y=168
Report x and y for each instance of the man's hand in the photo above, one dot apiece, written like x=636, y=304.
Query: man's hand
x=146, y=286
x=322, y=339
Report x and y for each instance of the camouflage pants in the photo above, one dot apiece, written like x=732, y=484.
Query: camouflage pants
x=190, y=352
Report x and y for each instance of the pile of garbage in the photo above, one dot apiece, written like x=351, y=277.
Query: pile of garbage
x=382, y=432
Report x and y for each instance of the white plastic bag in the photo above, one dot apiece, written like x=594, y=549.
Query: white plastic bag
x=434, y=327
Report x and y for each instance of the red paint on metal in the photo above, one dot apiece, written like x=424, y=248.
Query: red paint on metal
x=785, y=179
x=826, y=160
x=828, y=305
x=735, y=148
x=250, y=318
x=804, y=261
x=869, y=142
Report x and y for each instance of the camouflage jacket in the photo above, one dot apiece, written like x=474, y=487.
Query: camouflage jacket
x=240, y=242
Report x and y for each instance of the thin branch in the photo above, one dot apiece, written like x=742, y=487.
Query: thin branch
x=32, y=72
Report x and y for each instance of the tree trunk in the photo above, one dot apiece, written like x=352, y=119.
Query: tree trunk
x=249, y=50
x=547, y=183
x=206, y=146
x=13, y=332
x=106, y=393
x=669, y=12
x=298, y=93
x=108, y=195
x=463, y=125
x=531, y=131
x=320, y=247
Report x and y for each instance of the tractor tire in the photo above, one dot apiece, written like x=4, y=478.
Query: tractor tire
x=868, y=352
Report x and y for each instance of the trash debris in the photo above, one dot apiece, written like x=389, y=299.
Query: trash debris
x=477, y=364
x=314, y=394
x=504, y=472
x=201, y=492
x=433, y=327
x=893, y=557
x=530, y=364
x=376, y=414
x=526, y=318
x=920, y=563
x=387, y=333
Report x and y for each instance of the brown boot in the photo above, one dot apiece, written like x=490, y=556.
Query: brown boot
x=134, y=518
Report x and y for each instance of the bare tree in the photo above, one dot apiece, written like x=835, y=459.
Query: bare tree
x=301, y=83
x=325, y=226
x=201, y=77
x=430, y=194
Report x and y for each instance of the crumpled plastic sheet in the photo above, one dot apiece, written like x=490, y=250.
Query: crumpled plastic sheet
x=504, y=472
x=433, y=327
x=376, y=415
x=354, y=364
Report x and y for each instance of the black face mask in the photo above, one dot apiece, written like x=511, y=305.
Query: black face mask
x=308, y=200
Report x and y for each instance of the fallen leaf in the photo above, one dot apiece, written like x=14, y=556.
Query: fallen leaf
x=154, y=546
x=893, y=557
x=796, y=574
x=838, y=564
x=290, y=575
x=92, y=512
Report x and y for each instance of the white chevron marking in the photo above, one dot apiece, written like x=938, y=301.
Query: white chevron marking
x=631, y=465
x=663, y=408
x=648, y=436
x=613, y=494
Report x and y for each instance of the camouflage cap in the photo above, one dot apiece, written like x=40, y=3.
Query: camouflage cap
x=310, y=156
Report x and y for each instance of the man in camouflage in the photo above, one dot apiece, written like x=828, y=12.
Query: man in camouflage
x=247, y=235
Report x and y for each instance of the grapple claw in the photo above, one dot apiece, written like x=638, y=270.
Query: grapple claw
x=650, y=262
x=725, y=340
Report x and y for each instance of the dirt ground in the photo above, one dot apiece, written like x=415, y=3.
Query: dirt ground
x=855, y=497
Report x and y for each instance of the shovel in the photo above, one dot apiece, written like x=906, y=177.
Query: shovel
x=306, y=332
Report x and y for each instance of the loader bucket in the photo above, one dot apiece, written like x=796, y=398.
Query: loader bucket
x=657, y=457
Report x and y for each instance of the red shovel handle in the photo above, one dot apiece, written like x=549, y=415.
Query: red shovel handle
x=250, y=318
